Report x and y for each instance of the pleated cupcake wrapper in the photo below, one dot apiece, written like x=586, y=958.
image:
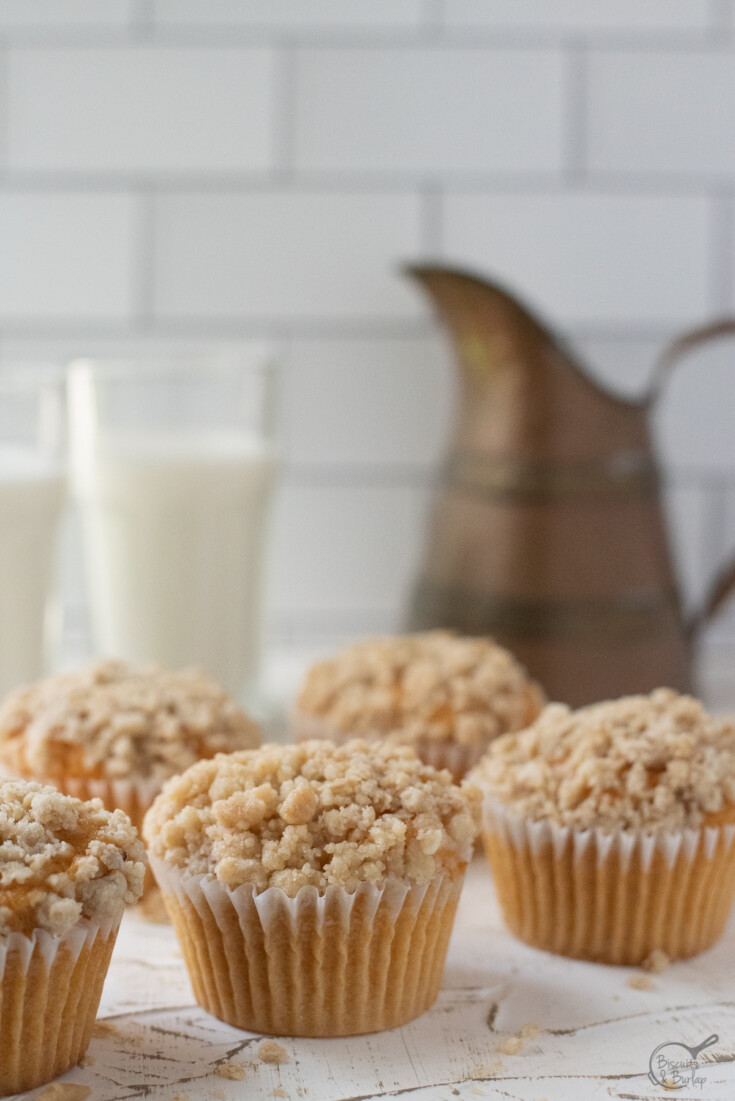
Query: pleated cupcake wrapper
x=613, y=897
x=333, y=964
x=50, y=990
x=459, y=759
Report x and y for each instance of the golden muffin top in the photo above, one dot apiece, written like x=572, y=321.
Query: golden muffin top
x=62, y=859
x=658, y=762
x=313, y=814
x=434, y=685
x=117, y=721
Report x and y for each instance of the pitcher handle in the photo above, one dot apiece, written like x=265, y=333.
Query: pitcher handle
x=724, y=583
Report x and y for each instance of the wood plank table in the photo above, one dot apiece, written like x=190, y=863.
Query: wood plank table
x=597, y=1032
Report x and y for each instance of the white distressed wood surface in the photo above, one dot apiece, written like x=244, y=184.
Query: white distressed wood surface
x=597, y=1032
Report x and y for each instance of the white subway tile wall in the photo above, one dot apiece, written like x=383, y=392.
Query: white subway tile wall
x=183, y=175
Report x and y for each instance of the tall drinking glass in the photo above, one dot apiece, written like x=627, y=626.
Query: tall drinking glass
x=172, y=469
x=32, y=495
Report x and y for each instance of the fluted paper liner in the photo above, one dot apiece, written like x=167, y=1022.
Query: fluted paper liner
x=610, y=897
x=335, y=964
x=50, y=990
x=438, y=753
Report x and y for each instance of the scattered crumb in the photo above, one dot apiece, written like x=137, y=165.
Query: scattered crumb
x=487, y=1070
x=279, y=1091
x=656, y=962
x=219, y=1094
x=181, y=1097
x=271, y=1052
x=104, y=1028
x=511, y=1045
x=640, y=982
x=152, y=907
x=530, y=1031
x=235, y=1072
x=87, y=1061
x=64, y=1091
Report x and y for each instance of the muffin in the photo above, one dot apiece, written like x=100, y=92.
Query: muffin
x=117, y=731
x=610, y=829
x=446, y=696
x=67, y=870
x=313, y=887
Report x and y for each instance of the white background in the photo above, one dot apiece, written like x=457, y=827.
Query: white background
x=175, y=174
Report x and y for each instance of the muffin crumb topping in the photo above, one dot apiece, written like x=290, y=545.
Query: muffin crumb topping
x=435, y=686
x=269, y=1051
x=62, y=859
x=115, y=721
x=314, y=813
x=659, y=762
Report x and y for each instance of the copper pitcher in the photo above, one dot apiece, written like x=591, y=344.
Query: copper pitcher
x=548, y=529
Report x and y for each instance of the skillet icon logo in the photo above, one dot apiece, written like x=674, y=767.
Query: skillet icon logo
x=674, y=1065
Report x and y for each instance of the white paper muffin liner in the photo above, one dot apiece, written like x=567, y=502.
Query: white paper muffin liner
x=131, y=795
x=610, y=896
x=331, y=964
x=50, y=990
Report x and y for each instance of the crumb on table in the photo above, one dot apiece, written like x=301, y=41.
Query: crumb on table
x=235, y=1072
x=64, y=1091
x=487, y=1070
x=656, y=962
x=271, y=1052
x=530, y=1031
x=640, y=982
x=511, y=1045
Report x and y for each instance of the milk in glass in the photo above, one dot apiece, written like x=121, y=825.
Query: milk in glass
x=174, y=532
x=31, y=504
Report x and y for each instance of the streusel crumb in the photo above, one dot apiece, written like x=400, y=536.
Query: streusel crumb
x=64, y=1091
x=314, y=813
x=656, y=962
x=271, y=1052
x=115, y=721
x=657, y=762
x=640, y=982
x=235, y=1072
x=435, y=686
x=512, y=1045
x=62, y=859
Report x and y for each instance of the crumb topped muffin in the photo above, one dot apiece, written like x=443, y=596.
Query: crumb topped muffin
x=606, y=827
x=341, y=864
x=67, y=870
x=445, y=695
x=62, y=859
x=313, y=814
x=657, y=762
x=113, y=721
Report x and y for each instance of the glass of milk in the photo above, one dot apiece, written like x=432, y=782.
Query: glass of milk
x=172, y=469
x=32, y=497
